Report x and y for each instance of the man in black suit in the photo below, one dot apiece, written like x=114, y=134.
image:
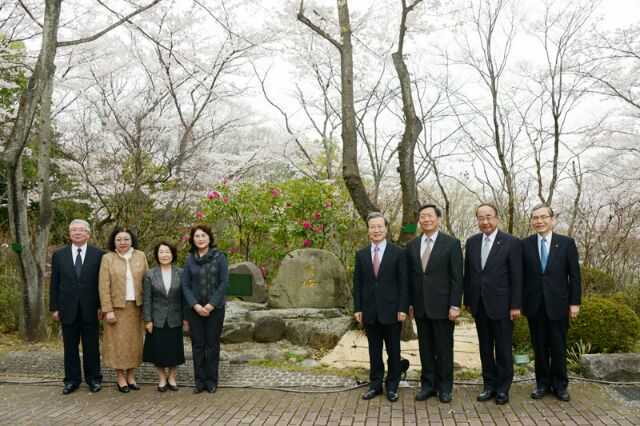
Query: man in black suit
x=435, y=277
x=493, y=295
x=551, y=296
x=74, y=301
x=381, y=303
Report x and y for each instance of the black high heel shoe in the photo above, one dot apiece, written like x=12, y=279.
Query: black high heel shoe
x=133, y=386
x=123, y=389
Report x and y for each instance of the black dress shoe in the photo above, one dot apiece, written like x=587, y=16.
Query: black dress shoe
x=95, y=387
x=133, y=386
x=393, y=396
x=123, y=389
x=212, y=389
x=69, y=388
x=371, y=393
x=562, y=395
x=425, y=394
x=163, y=388
x=486, y=395
x=445, y=397
x=172, y=387
x=502, y=398
x=539, y=393
x=198, y=390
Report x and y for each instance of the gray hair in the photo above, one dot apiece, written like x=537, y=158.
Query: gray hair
x=80, y=222
x=543, y=205
x=373, y=215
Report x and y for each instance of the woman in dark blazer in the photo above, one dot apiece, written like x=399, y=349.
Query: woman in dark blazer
x=204, y=283
x=163, y=307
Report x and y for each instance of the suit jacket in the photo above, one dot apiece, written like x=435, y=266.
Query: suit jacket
x=160, y=306
x=113, y=279
x=67, y=292
x=434, y=291
x=381, y=297
x=559, y=284
x=500, y=283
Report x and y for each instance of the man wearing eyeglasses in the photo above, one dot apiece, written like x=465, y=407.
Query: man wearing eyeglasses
x=381, y=303
x=493, y=295
x=551, y=296
x=74, y=302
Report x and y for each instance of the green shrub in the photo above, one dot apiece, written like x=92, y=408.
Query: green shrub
x=630, y=296
x=520, y=336
x=596, y=282
x=606, y=325
x=10, y=302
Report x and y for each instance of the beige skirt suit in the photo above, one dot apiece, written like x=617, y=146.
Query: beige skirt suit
x=122, y=341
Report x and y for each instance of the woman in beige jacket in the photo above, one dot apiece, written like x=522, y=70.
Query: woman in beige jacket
x=121, y=279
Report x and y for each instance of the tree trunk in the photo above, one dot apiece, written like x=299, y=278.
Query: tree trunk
x=32, y=255
x=350, y=170
x=412, y=129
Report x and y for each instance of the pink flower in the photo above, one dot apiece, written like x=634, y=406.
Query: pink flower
x=307, y=225
x=224, y=181
x=318, y=229
x=275, y=192
x=185, y=238
x=225, y=199
x=263, y=271
x=213, y=194
x=317, y=215
x=307, y=243
x=233, y=250
x=328, y=204
x=198, y=214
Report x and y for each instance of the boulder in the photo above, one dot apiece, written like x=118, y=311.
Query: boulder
x=319, y=334
x=310, y=363
x=259, y=292
x=268, y=329
x=612, y=367
x=310, y=278
x=296, y=313
x=237, y=332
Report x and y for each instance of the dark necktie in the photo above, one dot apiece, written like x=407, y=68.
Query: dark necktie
x=78, y=263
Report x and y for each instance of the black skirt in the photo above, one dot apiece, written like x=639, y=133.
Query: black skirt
x=164, y=347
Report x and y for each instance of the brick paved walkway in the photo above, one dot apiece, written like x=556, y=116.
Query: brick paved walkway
x=44, y=404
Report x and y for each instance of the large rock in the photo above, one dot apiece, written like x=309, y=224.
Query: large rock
x=310, y=278
x=295, y=314
x=612, y=367
x=259, y=292
x=268, y=329
x=236, y=327
x=237, y=332
x=319, y=334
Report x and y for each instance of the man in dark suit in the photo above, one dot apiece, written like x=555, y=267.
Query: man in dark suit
x=551, y=296
x=493, y=295
x=74, y=301
x=435, y=277
x=381, y=303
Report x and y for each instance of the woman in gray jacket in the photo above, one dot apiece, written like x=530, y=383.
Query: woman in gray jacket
x=163, y=316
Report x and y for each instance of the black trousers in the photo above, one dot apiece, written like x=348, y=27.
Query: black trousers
x=494, y=337
x=89, y=333
x=435, y=340
x=205, y=346
x=549, y=339
x=389, y=334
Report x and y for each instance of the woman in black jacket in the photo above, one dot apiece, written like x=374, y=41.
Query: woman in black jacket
x=163, y=308
x=204, y=283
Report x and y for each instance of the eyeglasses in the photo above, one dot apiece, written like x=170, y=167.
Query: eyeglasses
x=485, y=218
x=374, y=227
x=537, y=218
